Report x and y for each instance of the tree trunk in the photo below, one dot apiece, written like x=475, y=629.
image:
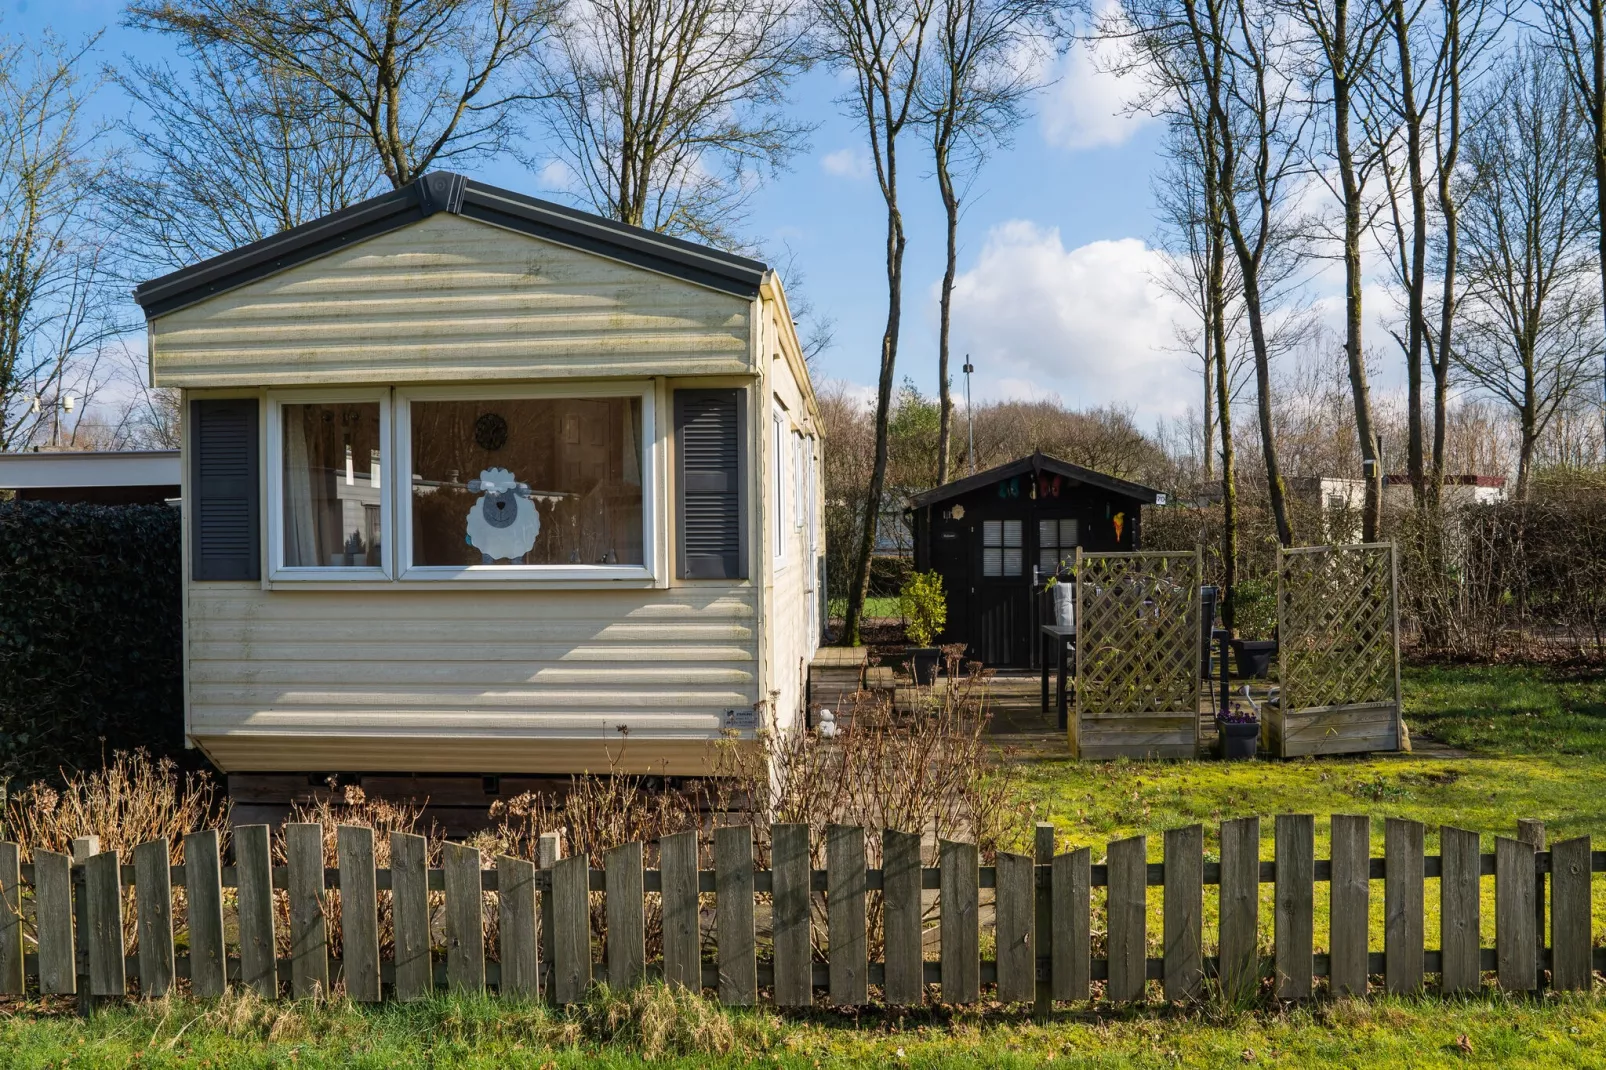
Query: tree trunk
x=1209, y=394
x=1416, y=290
x=1223, y=402
x=945, y=400
x=1596, y=112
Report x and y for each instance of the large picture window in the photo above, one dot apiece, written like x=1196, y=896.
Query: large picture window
x=330, y=487
x=525, y=482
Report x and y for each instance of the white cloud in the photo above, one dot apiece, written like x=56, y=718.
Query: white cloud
x=847, y=163
x=1087, y=106
x=1089, y=325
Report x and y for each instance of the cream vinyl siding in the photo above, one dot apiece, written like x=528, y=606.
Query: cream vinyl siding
x=486, y=681
x=448, y=299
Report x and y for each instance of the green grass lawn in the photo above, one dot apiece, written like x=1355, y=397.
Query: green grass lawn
x=876, y=607
x=654, y=1029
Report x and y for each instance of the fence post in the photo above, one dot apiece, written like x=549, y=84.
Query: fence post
x=625, y=900
x=846, y=879
x=677, y=868
x=1128, y=862
x=1183, y=912
x=203, y=888
x=1072, y=890
x=1532, y=831
x=901, y=917
x=1571, y=942
x=1516, y=950
x=1042, y=947
x=1402, y=906
x=309, y=931
x=733, y=915
x=153, y=902
x=548, y=849
x=11, y=955
x=1240, y=908
x=359, y=913
x=83, y=849
x=1349, y=904
x=960, y=921
x=409, y=906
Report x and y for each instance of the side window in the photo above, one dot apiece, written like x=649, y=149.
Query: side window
x=1001, y=553
x=1056, y=544
x=778, y=446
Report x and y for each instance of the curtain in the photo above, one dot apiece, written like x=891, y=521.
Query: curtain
x=300, y=512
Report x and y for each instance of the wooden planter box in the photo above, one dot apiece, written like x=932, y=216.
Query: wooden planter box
x=1355, y=729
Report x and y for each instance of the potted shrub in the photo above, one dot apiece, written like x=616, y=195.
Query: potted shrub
x=925, y=611
x=1237, y=734
x=1254, y=618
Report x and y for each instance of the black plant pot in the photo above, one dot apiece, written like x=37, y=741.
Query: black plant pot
x=1253, y=657
x=1237, y=740
x=925, y=661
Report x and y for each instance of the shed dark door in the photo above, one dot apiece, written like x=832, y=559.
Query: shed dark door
x=950, y=557
x=1001, y=611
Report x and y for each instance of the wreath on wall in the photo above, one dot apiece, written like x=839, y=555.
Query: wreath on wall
x=490, y=431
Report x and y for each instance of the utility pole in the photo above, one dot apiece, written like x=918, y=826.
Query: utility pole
x=970, y=413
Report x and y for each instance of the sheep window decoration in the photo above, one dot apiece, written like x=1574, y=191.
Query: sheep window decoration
x=504, y=523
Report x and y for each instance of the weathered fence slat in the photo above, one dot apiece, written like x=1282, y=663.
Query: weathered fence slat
x=1403, y=941
x=1183, y=912
x=103, y=888
x=309, y=926
x=846, y=879
x=733, y=915
x=359, y=913
x=789, y=864
x=203, y=890
x=1294, y=916
x=961, y=915
x=571, y=936
x=11, y=951
x=1043, y=843
x=83, y=848
x=465, y=917
x=1515, y=935
x=153, y=905
x=1071, y=888
x=1240, y=907
x=904, y=983
x=516, y=935
x=259, y=966
x=1531, y=830
x=627, y=915
x=1015, y=909
x=1571, y=941
x=409, y=906
x=1128, y=917
x=1459, y=910
x=53, y=923
x=683, y=953
x=1349, y=903
x=548, y=848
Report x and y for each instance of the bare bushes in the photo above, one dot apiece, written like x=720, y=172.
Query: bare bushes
x=132, y=800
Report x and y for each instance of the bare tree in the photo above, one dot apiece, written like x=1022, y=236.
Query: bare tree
x=880, y=44
x=981, y=71
x=419, y=81
x=56, y=312
x=1531, y=334
x=1344, y=39
x=666, y=110
x=229, y=153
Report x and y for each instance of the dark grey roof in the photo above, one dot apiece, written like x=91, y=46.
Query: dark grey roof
x=444, y=191
x=1037, y=462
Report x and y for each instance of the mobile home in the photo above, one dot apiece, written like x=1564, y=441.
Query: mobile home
x=479, y=484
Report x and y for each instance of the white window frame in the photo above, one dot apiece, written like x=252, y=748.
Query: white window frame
x=278, y=571
x=778, y=436
x=651, y=486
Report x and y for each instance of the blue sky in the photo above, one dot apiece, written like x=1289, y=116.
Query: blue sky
x=1056, y=294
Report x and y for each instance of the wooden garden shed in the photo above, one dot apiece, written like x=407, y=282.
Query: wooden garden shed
x=997, y=536
x=479, y=484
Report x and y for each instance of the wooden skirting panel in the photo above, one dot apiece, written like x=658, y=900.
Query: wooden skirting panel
x=1149, y=736
x=1357, y=729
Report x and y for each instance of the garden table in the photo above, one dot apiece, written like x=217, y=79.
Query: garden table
x=1058, y=642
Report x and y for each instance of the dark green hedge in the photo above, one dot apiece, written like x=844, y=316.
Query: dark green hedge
x=90, y=634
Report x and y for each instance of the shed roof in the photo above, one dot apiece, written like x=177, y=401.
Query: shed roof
x=59, y=469
x=1037, y=462
x=446, y=191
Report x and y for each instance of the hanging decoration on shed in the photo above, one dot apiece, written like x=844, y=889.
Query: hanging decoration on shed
x=490, y=432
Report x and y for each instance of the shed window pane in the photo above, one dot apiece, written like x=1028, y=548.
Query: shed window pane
x=1001, y=553
x=992, y=533
x=1067, y=533
x=992, y=561
x=527, y=481
x=1012, y=561
x=1012, y=533
x=332, y=474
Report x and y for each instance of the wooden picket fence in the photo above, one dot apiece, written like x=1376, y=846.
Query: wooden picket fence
x=1042, y=911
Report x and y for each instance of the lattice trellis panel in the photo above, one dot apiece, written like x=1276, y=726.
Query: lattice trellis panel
x=1337, y=626
x=1137, y=634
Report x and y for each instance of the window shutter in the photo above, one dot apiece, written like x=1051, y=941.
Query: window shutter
x=709, y=473
x=225, y=505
